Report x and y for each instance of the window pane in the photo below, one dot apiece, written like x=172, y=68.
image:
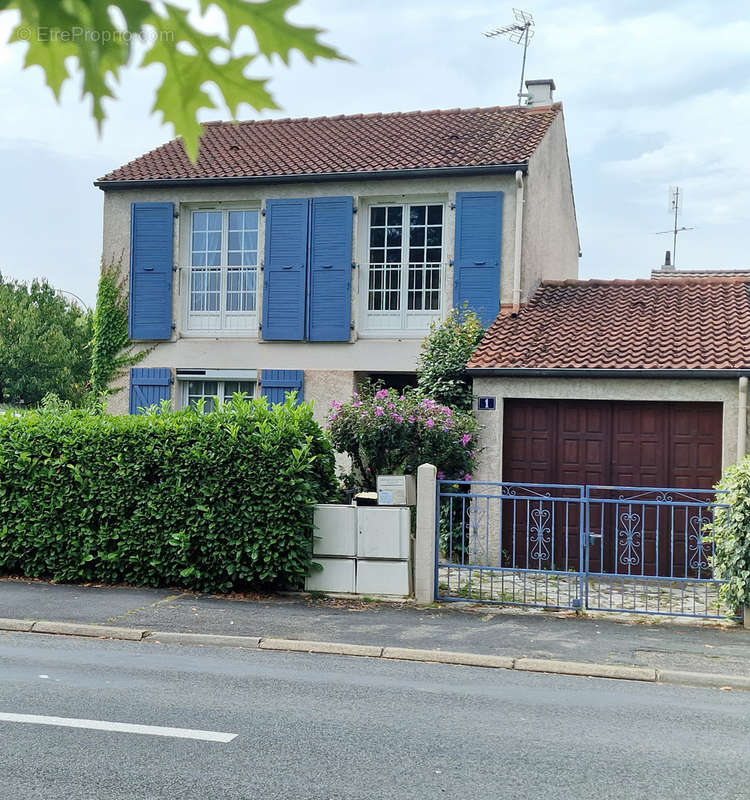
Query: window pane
x=377, y=237
x=395, y=215
x=377, y=216
x=417, y=215
x=434, y=215
x=238, y=387
x=416, y=237
x=205, y=285
x=434, y=255
x=434, y=236
x=241, y=289
x=202, y=390
x=393, y=236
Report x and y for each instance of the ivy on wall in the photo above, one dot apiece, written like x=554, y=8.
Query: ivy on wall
x=112, y=350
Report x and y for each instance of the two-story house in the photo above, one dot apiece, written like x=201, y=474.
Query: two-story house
x=303, y=254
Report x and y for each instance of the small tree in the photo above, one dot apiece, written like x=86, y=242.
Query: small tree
x=730, y=533
x=445, y=352
x=44, y=344
x=387, y=433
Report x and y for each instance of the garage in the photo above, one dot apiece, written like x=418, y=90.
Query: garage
x=612, y=443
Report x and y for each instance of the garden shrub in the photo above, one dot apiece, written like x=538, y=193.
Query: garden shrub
x=441, y=367
x=730, y=534
x=385, y=432
x=210, y=502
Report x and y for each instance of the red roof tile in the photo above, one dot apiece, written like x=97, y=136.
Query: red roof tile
x=671, y=323
x=359, y=143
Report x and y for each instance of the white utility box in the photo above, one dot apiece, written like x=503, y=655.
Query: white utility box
x=335, y=530
x=383, y=532
x=396, y=490
x=383, y=577
x=338, y=575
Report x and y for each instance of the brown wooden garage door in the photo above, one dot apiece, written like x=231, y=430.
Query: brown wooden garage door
x=612, y=443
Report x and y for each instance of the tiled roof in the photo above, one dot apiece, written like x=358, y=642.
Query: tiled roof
x=350, y=144
x=700, y=273
x=665, y=324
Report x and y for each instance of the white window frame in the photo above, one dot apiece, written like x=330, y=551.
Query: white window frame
x=220, y=377
x=221, y=323
x=403, y=323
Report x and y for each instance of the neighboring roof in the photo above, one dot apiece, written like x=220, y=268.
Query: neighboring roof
x=666, y=324
x=700, y=273
x=363, y=143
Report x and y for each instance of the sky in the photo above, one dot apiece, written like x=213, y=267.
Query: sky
x=654, y=94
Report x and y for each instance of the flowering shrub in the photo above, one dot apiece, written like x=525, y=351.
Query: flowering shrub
x=388, y=433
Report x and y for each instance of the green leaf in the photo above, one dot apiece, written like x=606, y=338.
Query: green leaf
x=275, y=36
x=181, y=94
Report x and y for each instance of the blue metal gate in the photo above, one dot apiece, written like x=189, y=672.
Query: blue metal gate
x=606, y=548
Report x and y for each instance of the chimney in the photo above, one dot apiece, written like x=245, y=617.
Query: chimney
x=668, y=261
x=539, y=93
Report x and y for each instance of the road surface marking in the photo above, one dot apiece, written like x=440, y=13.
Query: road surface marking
x=119, y=727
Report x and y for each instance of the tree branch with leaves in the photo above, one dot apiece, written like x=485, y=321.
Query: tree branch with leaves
x=101, y=35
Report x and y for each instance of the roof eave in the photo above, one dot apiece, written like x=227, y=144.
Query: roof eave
x=562, y=372
x=430, y=172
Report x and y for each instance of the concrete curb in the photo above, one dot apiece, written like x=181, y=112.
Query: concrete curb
x=213, y=639
x=522, y=664
x=587, y=670
x=333, y=648
x=99, y=631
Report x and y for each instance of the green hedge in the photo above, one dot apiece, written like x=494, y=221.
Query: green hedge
x=211, y=502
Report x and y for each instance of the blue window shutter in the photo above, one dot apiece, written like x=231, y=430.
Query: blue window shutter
x=285, y=269
x=476, y=269
x=148, y=387
x=275, y=383
x=329, y=302
x=151, y=249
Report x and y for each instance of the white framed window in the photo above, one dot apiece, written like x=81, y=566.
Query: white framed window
x=405, y=269
x=210, y=385
x=222, y=274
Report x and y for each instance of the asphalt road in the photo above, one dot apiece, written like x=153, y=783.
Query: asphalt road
x=319, y=727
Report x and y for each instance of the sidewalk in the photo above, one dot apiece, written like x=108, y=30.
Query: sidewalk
x=492, y=630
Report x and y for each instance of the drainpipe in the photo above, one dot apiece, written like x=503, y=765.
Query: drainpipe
x=742, y=419
x=517, y=246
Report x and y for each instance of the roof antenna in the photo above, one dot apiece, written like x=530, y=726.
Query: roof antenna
x=519, y=32
x=675, y=207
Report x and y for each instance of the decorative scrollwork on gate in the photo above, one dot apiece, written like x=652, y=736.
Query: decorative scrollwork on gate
x=629, y=538
x=540, y=534
x=698, y=557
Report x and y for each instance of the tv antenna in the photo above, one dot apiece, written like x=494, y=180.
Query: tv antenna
x=519, y=32
x=675, y=208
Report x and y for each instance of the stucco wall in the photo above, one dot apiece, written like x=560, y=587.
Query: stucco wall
x=708, y=390
x=550, y=234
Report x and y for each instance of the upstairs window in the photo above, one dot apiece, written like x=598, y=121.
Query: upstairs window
x=405, y=266
x=223, y=271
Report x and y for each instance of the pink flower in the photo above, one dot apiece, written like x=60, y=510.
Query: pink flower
x=333, y=416
x=467, y=476
x=397, y=417
x=411, y=417
x=355, y=394
x=441, y=476
x=357, y=404
x=391, y=406
x=465, y=439
x=378, y=411
x=335, y=404
x=447, y=411
x=381, y=393
x=401, y=398
x=430, y=423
